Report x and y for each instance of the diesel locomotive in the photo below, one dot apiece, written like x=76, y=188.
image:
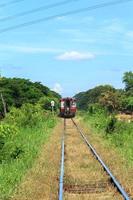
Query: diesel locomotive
x=68, y=107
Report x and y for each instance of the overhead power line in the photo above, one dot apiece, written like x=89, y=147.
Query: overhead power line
x=28, y=12
x=73, y=12
x=9, y=3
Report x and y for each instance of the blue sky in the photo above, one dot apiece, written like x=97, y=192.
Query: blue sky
x=70, y=53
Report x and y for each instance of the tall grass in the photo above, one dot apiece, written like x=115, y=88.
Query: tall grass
x=22, y=150
x=116, y=133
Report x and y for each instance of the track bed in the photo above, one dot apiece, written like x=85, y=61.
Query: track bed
x=84, y=177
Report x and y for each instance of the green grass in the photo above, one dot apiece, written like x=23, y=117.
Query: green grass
x=30, y=141
x=121, y=138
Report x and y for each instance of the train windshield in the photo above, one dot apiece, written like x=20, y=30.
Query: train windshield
x=68, y=103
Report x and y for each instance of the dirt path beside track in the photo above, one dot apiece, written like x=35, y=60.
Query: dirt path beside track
x=41, y=182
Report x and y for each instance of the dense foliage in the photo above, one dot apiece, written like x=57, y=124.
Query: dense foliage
x=108, y=97
x=17, y=92
x=22, y=133
x=92, y=96
x=24, y=128
x=109, y=112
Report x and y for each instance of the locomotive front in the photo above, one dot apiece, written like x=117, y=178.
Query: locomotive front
x=67, y=107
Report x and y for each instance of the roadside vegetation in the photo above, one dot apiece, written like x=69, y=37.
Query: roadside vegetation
x=109, y=112
x=17, y=91
x=24, y=128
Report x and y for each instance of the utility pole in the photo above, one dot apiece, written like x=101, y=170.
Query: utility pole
x=3, y=101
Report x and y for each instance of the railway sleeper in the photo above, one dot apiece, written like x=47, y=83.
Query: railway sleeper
x=97, y=187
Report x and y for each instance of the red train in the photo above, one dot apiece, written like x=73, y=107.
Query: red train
x=68, y=107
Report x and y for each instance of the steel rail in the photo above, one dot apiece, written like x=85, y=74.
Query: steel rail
x=114, y=180
x=61, y=183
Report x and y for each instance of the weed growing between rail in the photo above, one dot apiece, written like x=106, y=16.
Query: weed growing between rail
x=22, y=135
x=118, y=134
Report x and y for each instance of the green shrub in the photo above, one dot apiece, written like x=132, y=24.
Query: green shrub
x=10, y=151
x=8, y=131
x=111, y=125
x=95, y=108
x=31, y=115
x=7, y=134
x=28, y=116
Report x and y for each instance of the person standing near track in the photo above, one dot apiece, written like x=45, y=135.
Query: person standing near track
x=52, y=106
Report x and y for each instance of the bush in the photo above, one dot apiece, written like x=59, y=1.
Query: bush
x=95, y=108
x=32, y=115
x=110, y=126
x=8, y=131
x=10, y=151
x=28, y=116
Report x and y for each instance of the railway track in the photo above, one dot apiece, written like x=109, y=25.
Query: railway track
x=83, y=174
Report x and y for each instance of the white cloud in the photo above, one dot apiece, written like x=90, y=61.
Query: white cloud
x=58, y=88
x=75, y=55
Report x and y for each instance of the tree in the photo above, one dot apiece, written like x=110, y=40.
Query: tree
x=110, y=101
x=127, y=104
x=128, y=80
x=92, y=96
x=130, y=104
x=17, y=91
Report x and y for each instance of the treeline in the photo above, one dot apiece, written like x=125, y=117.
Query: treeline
x=15, y=92
x=24, y=128
x=106, y=96
x=105, y=110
